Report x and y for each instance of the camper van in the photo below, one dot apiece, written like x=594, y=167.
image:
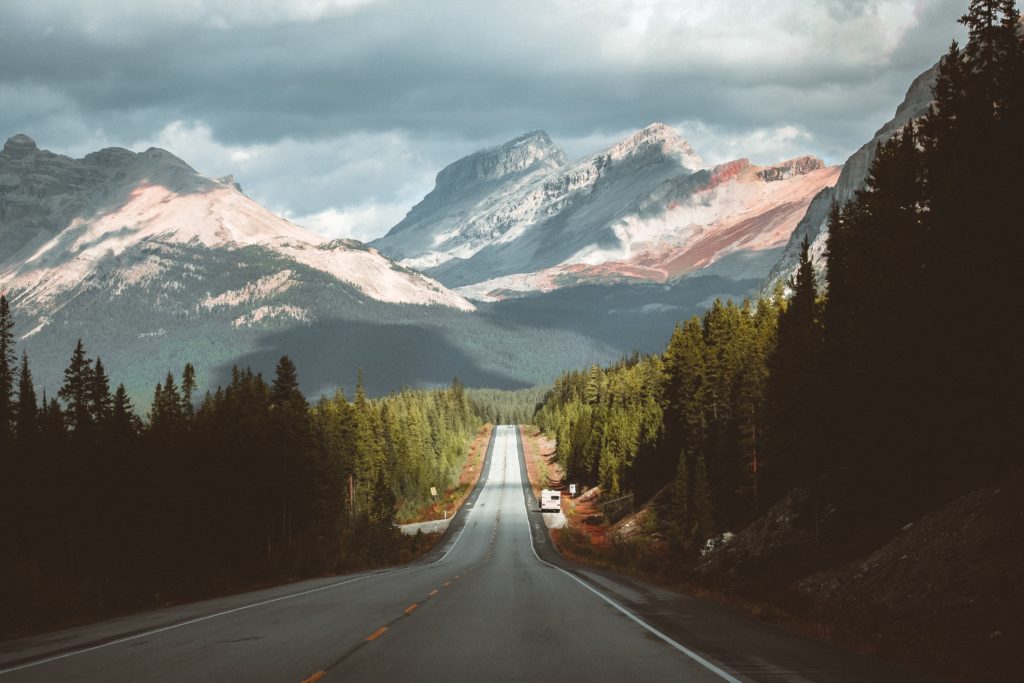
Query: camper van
x=550, y=501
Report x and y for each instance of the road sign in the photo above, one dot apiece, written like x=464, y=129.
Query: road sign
x=433, y=491
x=572, y=489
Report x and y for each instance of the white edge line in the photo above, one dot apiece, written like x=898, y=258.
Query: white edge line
x=189, y=622
x=471, y=507
x=681, y=648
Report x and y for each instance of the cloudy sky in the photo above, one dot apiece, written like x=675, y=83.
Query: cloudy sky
x=338, y=113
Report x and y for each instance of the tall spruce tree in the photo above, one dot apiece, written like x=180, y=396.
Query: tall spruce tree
x=188, y=388
x=794, y=386
x=76, y=393
x=27, y=416
x=973, y=142
x=99, y=395
x=7, y=372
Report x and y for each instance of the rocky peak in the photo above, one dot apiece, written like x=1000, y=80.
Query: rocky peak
x=528, y=152
x=19, y=146
x=658, y=139
x=790, y=168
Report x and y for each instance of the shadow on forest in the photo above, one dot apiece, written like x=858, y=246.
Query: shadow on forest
x=390, y=355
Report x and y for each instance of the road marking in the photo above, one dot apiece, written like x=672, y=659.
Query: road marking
x=315, y=677
x=411, y=608
x=189, y=622
x=377, y=634
x=446, y=584
x=145, y=634
x=724, y=675
x=433, y=592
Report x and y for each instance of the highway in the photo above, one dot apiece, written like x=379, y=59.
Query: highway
x=492, y=601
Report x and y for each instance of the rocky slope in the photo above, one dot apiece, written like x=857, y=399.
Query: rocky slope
x=64, y=221
x=814, y=224
x=518, y=218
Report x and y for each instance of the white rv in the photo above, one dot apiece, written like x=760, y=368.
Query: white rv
x=550, y=501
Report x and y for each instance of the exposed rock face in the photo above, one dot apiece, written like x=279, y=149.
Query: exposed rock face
x=461, y=215
x=644, y=209
x=814, y=225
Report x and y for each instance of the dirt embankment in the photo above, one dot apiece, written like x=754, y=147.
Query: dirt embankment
x=946, y=593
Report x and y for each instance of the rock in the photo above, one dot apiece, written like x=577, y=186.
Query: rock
x=716, y=542
x=19, y=146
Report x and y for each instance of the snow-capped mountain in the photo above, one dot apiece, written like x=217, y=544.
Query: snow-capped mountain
x=154, y=265
x=519, y=217
x=814, y=224
x=65, y=221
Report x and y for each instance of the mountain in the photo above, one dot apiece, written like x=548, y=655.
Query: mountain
x=519, y=218
x=154, y=265
x=814, y=224
x=119, y=216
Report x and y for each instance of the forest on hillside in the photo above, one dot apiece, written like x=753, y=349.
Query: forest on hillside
x=103, y=510
x=889, y=388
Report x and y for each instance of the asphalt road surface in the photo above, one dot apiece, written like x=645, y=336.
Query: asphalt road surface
x=493, y=601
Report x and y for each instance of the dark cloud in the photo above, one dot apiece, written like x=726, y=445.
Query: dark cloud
x=414, y=85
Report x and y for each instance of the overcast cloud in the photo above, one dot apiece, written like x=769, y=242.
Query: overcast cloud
x=338, y=113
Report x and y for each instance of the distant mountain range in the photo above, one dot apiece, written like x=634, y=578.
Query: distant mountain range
x=519, y=263
x=520, y=218
x=155, y=265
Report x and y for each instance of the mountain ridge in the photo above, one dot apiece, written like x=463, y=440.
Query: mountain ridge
x=607, y=216
x=62, y=216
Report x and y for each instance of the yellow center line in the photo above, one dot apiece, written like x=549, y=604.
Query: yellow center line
x=411, y=608
x=433, y=592
x=377, y=634
x=315, y=677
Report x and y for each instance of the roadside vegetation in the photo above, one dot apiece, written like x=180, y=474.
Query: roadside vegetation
x=104, y=511
x=827, y=425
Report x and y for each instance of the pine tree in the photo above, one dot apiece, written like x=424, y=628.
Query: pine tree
x=123, y=421
x=285, y=389
x=681, y=517
x=99, y=395
x=7, y=359
x=794, y=386
x=76, y=392
x=703, y=511
x=973, y=142
x=188, y=387
x=27, y=417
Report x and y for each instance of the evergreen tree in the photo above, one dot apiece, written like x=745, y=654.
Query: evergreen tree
x=124, y=424
x=77, y=391
x=27, y=416
x=703, y=520
x=99, y=395
x=188, y=388
x=7, y=370
x=681, y=518
x=794, y=387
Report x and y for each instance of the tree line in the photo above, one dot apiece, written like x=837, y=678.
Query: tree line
x=105, y=510
x=889, y=388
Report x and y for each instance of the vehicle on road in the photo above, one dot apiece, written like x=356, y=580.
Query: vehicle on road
x=550, y=501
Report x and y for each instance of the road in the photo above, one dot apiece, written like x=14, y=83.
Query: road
x=492, y=601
